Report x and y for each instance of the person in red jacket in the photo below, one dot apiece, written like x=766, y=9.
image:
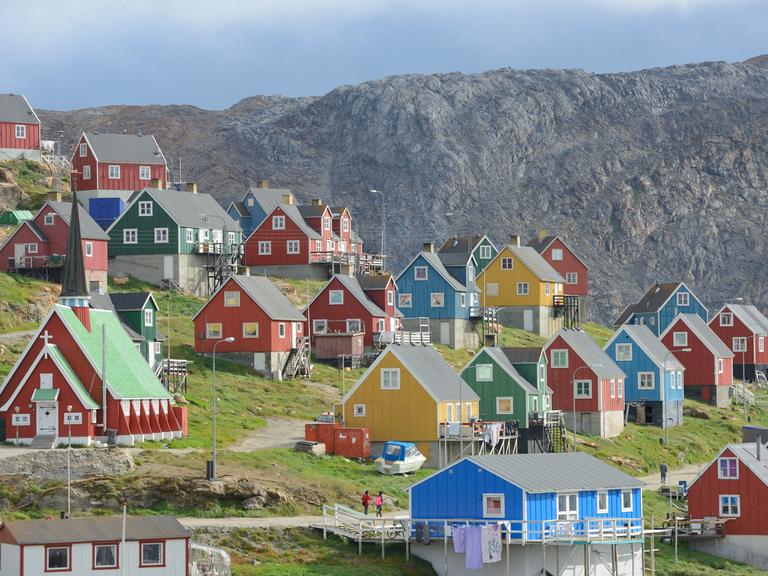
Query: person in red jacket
x=366, y=500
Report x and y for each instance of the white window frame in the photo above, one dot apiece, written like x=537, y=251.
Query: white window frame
x=316, y=324
x=726, y=319
x=211, y=334
x=683, y=299
x=390, y=297
x=463, y=299
x=739, y=344
x=486, y=512
x=728, y=460
x=358, y=322
x=761, y=343
x=404, y=300
x=602, y=509
x=190, y=236
x=421, y=269
x=278, y=222
x=21, y=134
x=158, y=348
x=641, y=386
x=680, y=339
x=335, y=297
x=437, y=297
x=83, y=150
x=293, y=247
x=552, y=357
x=623, y=346
x=523, y=289
x=737, y=499
x=720, y=365
x=612, y=387
x=231, y=298
x=581, y=395
x=485, y=252
x=390, y=378
x=48, y=558
x=265, y=247
x=571, y=278
x=345, y=224
x=483, y=378
x=547, y=288
x=358, y=411
x=32, y=248
x=86, y=172
x=568, y=514
x=145, y=208
x=631, y=498
x=96, y=564
x=145, y=173
x=491, y=289
x=161, y=562
x=507, y=263
x=326, y=222
x=161, y=235
x=380, y=324
x=281, y=330
x=504, y=399
x=557, y=254
x=621, y=388
x=49, y=219
x=113, y=172
x=130, y=236
x=149, y=317
x=247, y=334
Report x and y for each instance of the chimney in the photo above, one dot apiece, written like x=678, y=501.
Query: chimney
x=263, y=184
x=514, y=240
x=154, y=183
x=317, y=201
x=288, y=198
x=54, y=196
x=192, y=187
x=543, y=233
x=429, y=247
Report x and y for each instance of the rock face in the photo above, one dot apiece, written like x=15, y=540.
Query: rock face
x=51, y=465
x=658, y=174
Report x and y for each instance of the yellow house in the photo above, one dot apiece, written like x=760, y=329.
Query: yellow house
x=405, y=395
x=525, y=287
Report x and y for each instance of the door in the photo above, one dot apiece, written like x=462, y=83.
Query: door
x=151, y=354
x=528, y=320
x=19, y=251
x=47, y=419
x=445, y=333
x=167, y=267
x=294, y=335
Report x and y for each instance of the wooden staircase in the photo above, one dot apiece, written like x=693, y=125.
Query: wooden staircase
x=298, y=362
x=555, y=434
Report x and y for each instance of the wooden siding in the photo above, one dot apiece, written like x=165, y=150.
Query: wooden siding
x=670, y=310
x=8, y=136
x=100, y=180
x=279, y=239
x=739, y=330
x=380, y=298
x=704, y=499
x=543, y=506
x=145, y=231
x=78, y=163
x=507, y=281
x=483, y=262
x=422, y=289
x=22, y=235
x=569, y=263
x=701, y=366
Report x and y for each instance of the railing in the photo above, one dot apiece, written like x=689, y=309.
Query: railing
x=218, y=248
x=348, y=523
x=382, y=339
x=742, y=394
x=173, y=374
x=44, y=261
x=208, y=561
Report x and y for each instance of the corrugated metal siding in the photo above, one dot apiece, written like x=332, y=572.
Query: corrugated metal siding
x=420, y=292
x=8, y=136
x=457, y=492
x=145, y=231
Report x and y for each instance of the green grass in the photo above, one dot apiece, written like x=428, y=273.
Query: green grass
x=28, y=175
x=17, y=293
x=599, y=333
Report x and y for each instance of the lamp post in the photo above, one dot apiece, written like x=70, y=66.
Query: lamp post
x=16, y=411
x=213, y=464
x=69, y=461
x=664, y=387
x=383, y=225
x=574, y=396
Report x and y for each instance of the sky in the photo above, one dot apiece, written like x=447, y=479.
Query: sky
x=211, y=54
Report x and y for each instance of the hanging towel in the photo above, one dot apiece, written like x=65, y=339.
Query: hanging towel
x=474, y=548
x=491, y=542
x=459, y=539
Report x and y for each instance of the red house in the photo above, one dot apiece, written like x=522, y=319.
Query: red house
x=268, y=330
x=584, y=378
x=345, y=306
x=568, y=264
x=19, y=129
x=709, y=364
x=744, y=329
x=37, y=247
x=733, y=490
x=116, y=165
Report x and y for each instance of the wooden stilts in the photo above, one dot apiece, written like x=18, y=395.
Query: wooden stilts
x=382, y=538
x=407, y=531
x=632, y=550
x=614, y=561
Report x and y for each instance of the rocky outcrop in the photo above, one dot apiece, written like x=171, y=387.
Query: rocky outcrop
x=657, y=174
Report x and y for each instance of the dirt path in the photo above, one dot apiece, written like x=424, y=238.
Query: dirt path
x=687, y=472
x=278, y=433
x=11, y=337
x=274, y=522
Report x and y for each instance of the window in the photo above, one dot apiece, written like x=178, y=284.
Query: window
x=559, y=358
x=728, y=468
x=213, y=330
x=83, y=150
x=761, y=343
x=468, y=410
x=152, y=554
x=612, y=387
x=293, y=247
x=21, y=131
x=547, y=289
x=158, y=348
x=492, y=289
x=623, y=352
x=621, y=388
x=493, y=505
x=354, y=325
x=626, y=500
x=281, y=330
x=359, y=411
x=646, y=380
x=342, y=246
x=449, y=413
x=144, y=173
x=318, y=245
x=265, y=247
x=57, y=558
x=437, y=300
x=105, y=556
x=32, y=248
x=652, y=320
x=161, y=235
x=86, y=172
x=507, y=263
x=345, y=224
x=204, y=234
x=567, y=507
x=329, y=245
x=231, y=299
x=380, y=325
x=679, y=339
x=484, y=372
x=485, y=252
x=190, y=236
x=522, y=288
x=114, y=172
x=504, y=405
x=390, y=297
x=730, y=505
x=602, y=502
x=390, y=378
x=726, y=319
x=719, y=365
x=49, y=219
x=149, y=317
x=319, y=326
x=740, y=344
x=278, y=222
x=470, y=273
x=129, y=236
x=336, y=297
x=145, y=208
x=404, y=300
x=557, y=254
x=420, y=273
x=683, y=298
x=327, y=223
x=463, y=299
x=571, y=278
x=250, y=201
x=250, y=329
x=583, y=388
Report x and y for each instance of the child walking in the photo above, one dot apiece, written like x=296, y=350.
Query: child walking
x=379, y=501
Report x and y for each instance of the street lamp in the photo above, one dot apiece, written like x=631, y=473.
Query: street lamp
x=383, y=225
x=69, y=461
x=664, y=388
x=574, y=396
x=16, y=411
x=213, y=463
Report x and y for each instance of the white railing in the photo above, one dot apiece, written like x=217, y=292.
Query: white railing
x=348, y=523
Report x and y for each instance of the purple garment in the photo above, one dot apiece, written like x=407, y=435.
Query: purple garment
x=459, y=534
x=474, y=547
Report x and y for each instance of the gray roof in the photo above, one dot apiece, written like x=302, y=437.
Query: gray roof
x=92, y=529
x=652, y=346
x=457, y=251
x=523, y=355
x=293, y=213
x=374, y=281
x=88, y=227
x=536, y=263
x=15, y=108
x=242, y=211
x=353, y=287
x=432, y=371
x=434, y=261
x=129, y=300
x=501, y=359
x=560, y=472
x=704, y=333
x=269, y=298
x=751, y=317
x=37, y=231
x=651, y=301
x=125, y=148
x=591, y=354
x=268, y=198
x=186, y=208
x=746, y=453
x=311, y=210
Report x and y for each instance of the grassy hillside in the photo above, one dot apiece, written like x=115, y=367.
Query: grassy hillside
x=23, y=302
x=35, y=179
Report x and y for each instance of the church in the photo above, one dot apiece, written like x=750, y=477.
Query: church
x=81, y=378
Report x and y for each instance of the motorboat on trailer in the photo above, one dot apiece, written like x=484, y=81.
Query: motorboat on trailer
x=399, y=458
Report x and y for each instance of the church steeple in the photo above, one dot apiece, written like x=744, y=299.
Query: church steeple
x=74, y=287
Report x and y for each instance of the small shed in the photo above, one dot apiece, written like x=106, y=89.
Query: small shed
x=14, y=217
x=348, y=344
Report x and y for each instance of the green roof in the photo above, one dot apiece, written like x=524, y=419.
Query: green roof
x=74, y=381
x=128, y=374
x=45, y=395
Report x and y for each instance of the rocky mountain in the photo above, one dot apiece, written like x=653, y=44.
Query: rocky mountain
x=657, y=174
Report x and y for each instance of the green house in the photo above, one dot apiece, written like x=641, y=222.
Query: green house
x=15, y=217
x=511, y=383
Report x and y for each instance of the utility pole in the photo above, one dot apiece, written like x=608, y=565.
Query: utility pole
x=383, y=220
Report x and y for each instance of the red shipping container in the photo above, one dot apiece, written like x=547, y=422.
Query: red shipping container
x=353, y=443
x=311, y=433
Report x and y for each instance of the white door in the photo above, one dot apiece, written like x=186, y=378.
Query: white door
x=19, y=251
x=167, y=267
x=528, y=320
x=151, y=354
x=47, y=419
x=445, y=333
x=294, y=335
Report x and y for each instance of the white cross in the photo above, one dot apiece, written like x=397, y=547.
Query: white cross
x=46, y=337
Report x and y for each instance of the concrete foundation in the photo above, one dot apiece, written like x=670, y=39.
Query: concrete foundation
x=751, y=550
x=607, y=424
x=536, y=319
x=748, y=370
x=20, y=154
x=533, y=559
x=188, y=270
x=269, y=364
x=311, y=271
x=719, y=396
x=662, y=414
x=97, y=280
x=454, y=332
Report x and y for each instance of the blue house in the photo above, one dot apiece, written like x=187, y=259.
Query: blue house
x=256, y=204
x=660, y=306
x=653, y=389
x=427, y=290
